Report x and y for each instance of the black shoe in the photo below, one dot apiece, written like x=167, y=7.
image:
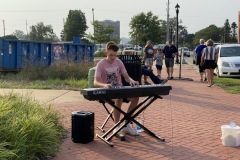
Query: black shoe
x=172, y=77
x=205, y=79
x=120, y=136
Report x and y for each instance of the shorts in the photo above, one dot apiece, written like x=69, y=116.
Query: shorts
x=169, y=62
x=148, y=61
x=198, y=60
x=159, y=67
x=209, y=64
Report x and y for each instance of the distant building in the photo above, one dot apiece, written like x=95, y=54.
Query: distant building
x=115, y=25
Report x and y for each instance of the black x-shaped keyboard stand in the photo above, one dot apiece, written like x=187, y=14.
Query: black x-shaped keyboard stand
x=129, y=117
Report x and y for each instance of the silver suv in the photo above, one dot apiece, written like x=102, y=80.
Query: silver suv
x=228, y=60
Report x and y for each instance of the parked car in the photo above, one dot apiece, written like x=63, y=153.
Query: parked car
x=128, y=51
x=137, y=48
x=186, y=51
x=99, y=52
x=159, y=46
x=228, y=60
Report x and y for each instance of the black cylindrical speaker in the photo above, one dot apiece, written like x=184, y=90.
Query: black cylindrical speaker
x=82, y=126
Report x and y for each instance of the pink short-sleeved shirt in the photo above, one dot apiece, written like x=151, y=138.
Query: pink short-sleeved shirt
x=110, y=73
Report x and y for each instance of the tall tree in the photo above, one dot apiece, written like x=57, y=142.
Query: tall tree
x=75, y=25
x=227, y=31
x=211, y=32
x=62, y=35
x=40, y=32
x=234, y=32
x=188, y=41
x=20, y=35
x=9, y=37
x=102, y=33
x=145, y=27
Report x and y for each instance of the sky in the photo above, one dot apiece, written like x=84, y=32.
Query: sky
x=195, y=14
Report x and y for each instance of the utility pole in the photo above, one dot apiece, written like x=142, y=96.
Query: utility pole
x=26, y=28
x=93, y=26
x=167, y=38
x=3, y=27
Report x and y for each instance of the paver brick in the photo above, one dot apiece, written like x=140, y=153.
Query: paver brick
x=189, y=118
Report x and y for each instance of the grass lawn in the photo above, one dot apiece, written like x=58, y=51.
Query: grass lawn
x=230, y=85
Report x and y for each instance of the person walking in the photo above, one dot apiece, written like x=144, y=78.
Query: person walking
x=108, y=74
x=198, y=51
x=209, y=61
x=170, y=51
x=148, y=58
x=159, y=61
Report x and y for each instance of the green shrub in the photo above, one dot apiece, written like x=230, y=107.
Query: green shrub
x=5, y=153
x=100, y=54
x=31, y=130
x=62, y=70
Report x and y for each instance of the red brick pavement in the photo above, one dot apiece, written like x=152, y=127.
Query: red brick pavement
x=189, y=119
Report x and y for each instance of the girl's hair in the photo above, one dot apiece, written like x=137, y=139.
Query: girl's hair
x=112, y=46
x=209, y=42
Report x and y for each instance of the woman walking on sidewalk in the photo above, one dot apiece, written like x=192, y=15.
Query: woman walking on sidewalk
x=148, y=58
x=209, y=61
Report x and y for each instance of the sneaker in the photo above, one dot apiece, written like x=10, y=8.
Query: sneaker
x=168, y=78
x=119, y=135
x=129, y=130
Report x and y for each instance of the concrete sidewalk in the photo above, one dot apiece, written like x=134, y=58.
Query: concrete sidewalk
x=48, y=96
x=189, y=119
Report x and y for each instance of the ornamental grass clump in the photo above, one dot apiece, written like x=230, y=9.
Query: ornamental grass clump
x=61, y=70
x=28, y=130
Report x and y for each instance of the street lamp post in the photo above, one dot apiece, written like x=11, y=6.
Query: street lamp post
x=177, y=11
x=177, y=59
x=93, y=26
